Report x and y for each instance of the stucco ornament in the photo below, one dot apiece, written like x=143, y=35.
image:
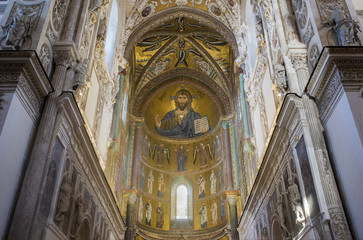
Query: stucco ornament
x=22, y=19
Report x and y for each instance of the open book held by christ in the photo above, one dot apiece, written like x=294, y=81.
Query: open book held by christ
x=201, y=125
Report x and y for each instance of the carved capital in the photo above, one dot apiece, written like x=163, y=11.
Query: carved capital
x=132, y=198
x=62, y=58
x=299, y=61
x=232, y=199
x=64, y=53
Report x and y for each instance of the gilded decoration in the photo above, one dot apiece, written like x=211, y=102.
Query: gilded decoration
x=183, y=76
x=136, y=34
x=161, y=172
x=163, y=103
x=181, y=43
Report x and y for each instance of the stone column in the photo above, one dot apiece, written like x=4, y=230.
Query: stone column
x=322, y=172
x=227, y=151
x=129, y=234
x=136, y=155
x=246, y=126
x=34, y=182
x=233, y=215
x=71, y=20
x=299, y=62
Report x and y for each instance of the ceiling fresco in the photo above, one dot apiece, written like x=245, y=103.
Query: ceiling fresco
x=144, y=16
x=182, y=43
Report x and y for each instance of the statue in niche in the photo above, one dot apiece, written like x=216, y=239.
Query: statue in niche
x=80, y=72
x=142, y=177
x=181, y=157
x=214, y=210
x=217, y=147
x=148, y=212
x=150, y=180
x=280, y=75
x=201, y=183
x=203, y=216
x=280, y=213
x=181, y=122
x=140, y=215
x=159, y=216
x=220, y=176
x=223, y=213
x=264, y=232
x=213, y=183
x=204, y=154
x=80, y=205
x=314, y=55
x=295, y=202
x=102, y=29
x=146, y=147
x=345, y=27
x=45, y=56
x=64, y=200
x=161, y=186
x=162, y=153
x=18, y=30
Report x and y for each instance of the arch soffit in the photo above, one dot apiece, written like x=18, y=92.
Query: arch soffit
x=180, y=76
x=225, y=85
x=187, y=12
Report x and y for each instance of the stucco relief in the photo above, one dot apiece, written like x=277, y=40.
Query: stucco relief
x=20, y=24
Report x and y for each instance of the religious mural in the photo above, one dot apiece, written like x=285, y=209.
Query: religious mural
x=182, y=111
x=183, y=121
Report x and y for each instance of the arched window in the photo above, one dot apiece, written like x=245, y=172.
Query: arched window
x=181, y=202
x=181, y=206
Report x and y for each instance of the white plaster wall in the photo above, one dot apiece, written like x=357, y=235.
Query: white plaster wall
x=269, y=99
x=260, y=142
x=14, y=141
x=358, y=6
x=356, y=105
x=347, y=154
x=250, y=35
x=91, y=104
x=104, y=134
x=111, y=35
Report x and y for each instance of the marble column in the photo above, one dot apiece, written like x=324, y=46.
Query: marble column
x=300, y=64
x=130, y=212
x=227, y=151
x=136, y=156
x=71, y=21
x=233, y=216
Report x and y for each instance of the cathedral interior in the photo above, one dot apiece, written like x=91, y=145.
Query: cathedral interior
x=181, y=119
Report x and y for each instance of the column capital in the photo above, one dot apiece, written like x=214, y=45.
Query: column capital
x=132, y=198
x=232, y=197
x=64, y=53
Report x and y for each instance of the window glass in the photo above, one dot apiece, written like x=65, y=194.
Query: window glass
x=182, y=202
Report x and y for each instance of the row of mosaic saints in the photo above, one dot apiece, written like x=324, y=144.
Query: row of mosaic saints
x=203, y=212
x=162, y=153
x=181, y=123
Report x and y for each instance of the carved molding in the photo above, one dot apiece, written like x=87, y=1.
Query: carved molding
x=82, y=154
x=23, y=71
x=338, y=70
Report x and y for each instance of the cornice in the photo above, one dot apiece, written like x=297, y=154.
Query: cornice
x=338, y=69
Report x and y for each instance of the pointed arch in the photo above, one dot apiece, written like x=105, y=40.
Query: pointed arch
x=173, y=13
